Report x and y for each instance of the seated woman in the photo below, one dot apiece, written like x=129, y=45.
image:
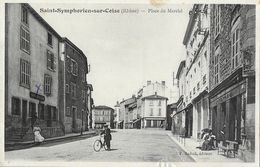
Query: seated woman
x=38, y=139
x=208, y=143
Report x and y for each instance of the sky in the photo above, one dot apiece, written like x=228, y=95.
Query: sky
x=123, y=50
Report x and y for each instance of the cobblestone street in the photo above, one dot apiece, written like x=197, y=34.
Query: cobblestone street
x=127, y=145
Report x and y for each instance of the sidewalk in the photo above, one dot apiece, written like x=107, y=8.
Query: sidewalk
x=66, y=136
x=198, y=155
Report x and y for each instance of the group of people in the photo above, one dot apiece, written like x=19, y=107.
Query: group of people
x=207, y=140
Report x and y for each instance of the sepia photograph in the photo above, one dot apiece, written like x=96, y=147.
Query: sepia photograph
x=152, y=82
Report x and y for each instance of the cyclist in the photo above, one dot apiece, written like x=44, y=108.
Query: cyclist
x=107, y=136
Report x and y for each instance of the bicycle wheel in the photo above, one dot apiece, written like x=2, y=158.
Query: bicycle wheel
x=105, y=146
x=97, y=145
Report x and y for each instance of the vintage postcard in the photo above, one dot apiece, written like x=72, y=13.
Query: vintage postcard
x=130, y=83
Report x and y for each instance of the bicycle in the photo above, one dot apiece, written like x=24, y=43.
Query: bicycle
x=98, y=144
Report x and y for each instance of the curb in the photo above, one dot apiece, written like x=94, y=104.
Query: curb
x=48, y=139
x=178, y=143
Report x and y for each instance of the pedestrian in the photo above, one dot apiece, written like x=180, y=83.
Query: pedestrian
x=107, y=136
x=38, y=139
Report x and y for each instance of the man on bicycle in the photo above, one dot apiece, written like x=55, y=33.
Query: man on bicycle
x=107, y=136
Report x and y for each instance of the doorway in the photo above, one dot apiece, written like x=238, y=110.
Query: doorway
x=74, y=110
x=24, y=112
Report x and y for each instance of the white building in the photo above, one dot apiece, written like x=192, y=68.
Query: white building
x=197, y=43
x=154, y=111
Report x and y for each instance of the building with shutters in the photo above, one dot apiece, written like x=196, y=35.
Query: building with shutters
x=31, y=88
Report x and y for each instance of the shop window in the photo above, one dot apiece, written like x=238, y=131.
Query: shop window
x=16, y=106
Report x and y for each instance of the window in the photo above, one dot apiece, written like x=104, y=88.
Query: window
x=151, y=112
x=83, y=76
x=194, y=90
x=68, y=66
x=68, y=111
x=204, y=79
x=41, y=111
x=16, y=106
x=47, y=84
x=159, y=103
x=151, y=103
x=235, y=46
x=50, y=60
x=83, y=96
x=74, y=67
x=24, y=15
x=67, y=88
x=25, y=73
x=199, y=63
x=73, y=90
x=216, y=69
x=198, y=86
x=160, y=112
x=49, y=39
x=217, y=19
x=25, y=39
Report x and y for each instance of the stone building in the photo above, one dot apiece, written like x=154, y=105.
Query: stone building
x=31, y=74
x=232, y=75
x=73, y=87
x=197, y=44
x=103, y=115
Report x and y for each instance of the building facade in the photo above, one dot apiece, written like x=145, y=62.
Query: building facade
x=117, y=114
x=197, y=44
x=178, y=116
x=232, y=75
x=154, y=111
x=73, y=87
x=31, y=88
x=103, y=115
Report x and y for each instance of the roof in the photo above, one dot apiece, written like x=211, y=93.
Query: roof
x=103, y=107
x=181, y=66
x=191, y=23
x=154, y=97
x=41, y=20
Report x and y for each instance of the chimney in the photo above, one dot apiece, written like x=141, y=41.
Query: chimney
x=155, y=93
x=149, y=82
x=163, y=83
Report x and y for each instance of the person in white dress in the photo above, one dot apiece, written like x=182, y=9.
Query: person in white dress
x=37, y=134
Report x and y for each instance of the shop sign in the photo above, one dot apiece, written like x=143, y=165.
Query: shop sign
x=37, y=96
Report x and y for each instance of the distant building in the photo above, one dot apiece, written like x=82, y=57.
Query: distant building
x=73, y=87
x=178, y=116
x=103, y=115
x=31, y=74
x=154, y=111
x=117, y=114
x=171, y=108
